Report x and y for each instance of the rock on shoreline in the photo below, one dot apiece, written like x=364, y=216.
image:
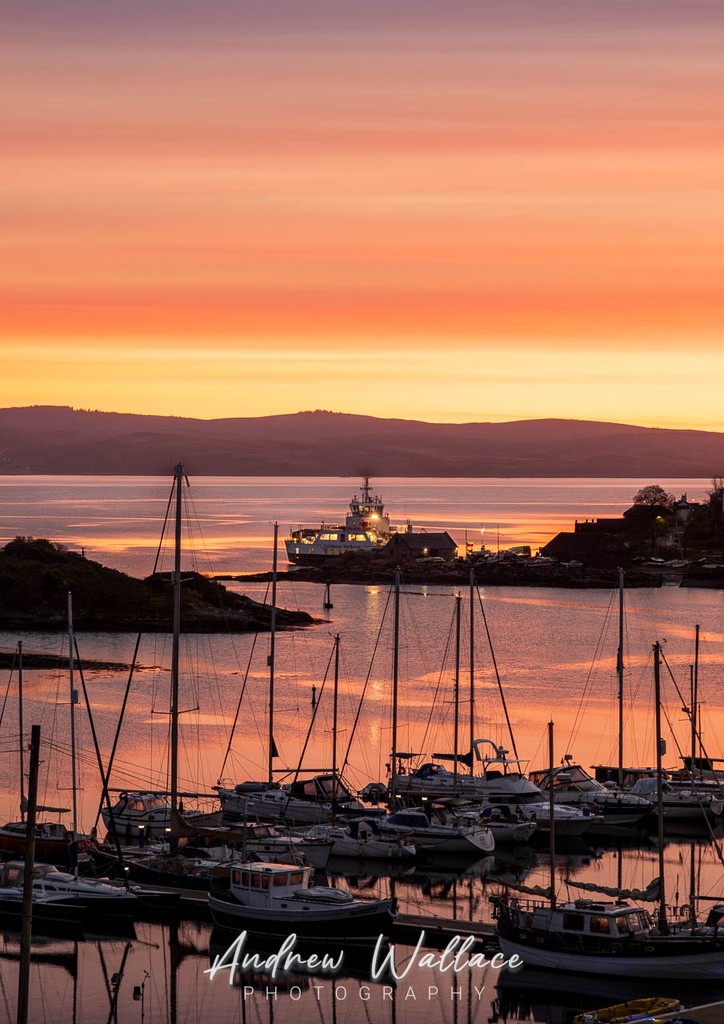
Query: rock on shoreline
x=36, y=576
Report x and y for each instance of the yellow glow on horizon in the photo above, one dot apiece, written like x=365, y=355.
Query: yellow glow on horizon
x=518, y=221
x=495, y=385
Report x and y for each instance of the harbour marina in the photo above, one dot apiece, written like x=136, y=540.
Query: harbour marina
x=436, y=889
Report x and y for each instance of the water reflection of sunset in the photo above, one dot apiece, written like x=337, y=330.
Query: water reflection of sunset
x=545, y=652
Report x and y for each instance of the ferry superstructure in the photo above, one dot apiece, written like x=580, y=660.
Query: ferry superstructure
x=365, y=530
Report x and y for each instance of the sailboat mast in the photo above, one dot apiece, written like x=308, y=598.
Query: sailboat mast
x=456, y=736
x=662, y=922
x=271, y=658
x=395, y=685
x=694, y=700
x=178, y=479
x=20, y=730
x=551, y=812
x=619, y=669
x=334, y=721
x=472, y=666
x=73, y=701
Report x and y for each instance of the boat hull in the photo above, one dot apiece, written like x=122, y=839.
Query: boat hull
x=686, y=960
x=358, y=921
x=61, y=852
x=432, y=842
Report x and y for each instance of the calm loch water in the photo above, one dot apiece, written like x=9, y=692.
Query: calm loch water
x=554, y=651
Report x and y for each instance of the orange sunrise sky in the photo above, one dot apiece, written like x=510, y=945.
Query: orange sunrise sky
x=495, y=210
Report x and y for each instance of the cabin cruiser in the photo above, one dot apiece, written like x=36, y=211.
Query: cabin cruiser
x=574, y=787
x=500, y=786
x=361, y=838
x=433, y=781
x=147, y=815
x=313, y=801
x=64, y=888
x=437, y=833
x=366, y=529
x=692, y=800
x=683, y=797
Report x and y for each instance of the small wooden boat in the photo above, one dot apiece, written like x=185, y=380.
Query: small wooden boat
x=630, y=1012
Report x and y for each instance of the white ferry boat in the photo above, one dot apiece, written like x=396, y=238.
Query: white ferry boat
x=365, y=529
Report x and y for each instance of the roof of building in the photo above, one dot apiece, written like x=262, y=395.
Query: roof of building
x=422, y=541
x=582, y=544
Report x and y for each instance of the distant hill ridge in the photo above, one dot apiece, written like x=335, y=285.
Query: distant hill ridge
x=59, y=439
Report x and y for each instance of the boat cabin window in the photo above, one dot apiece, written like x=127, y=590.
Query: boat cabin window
x=136, y=805
x=156, y=803
x=599, y=925
x=281, y=879
x=633, y=922
x=573, y=922
x=13, y=875
x=296, y=877
x=252, y=881
x=571, y=774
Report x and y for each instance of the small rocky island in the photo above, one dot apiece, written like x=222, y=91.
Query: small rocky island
x=36, y=576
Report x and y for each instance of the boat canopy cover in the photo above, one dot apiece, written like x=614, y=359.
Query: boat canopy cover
x=648, y=895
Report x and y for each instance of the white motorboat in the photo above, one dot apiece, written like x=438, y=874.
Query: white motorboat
x=574, y=787
x=687, y=801
x=508, y=829
x=55, y=887
x=362, y=839
x=438, y=836
x=142, y=814
x=305, y=802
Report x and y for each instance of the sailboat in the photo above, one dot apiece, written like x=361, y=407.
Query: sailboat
x=309, y=801
x=508, y=803
x=148, y=814
x=54, y=843
x=611, y=937
x=687, y=796
x=432, y=829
